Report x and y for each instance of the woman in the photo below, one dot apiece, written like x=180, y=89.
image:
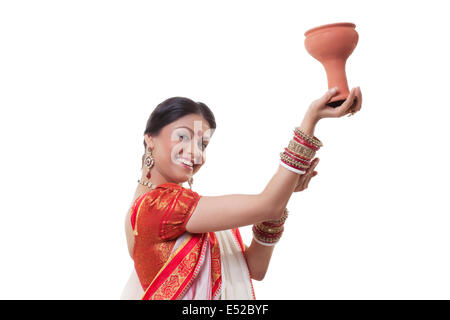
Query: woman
x=187, y=246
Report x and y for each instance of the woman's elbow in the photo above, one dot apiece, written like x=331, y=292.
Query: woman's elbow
x=258, y=276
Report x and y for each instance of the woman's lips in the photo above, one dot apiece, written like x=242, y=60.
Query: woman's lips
x=185, y=165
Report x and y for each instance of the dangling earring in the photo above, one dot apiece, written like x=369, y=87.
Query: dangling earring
x=190, y=181
x=149, y=161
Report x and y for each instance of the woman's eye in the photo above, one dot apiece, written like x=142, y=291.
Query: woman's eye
x=202, y=145
x=182, y=137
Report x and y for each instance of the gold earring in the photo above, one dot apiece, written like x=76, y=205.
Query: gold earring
x=351, y=112
x=149, y=161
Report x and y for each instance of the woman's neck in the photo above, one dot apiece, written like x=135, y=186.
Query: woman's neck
x=156, y=178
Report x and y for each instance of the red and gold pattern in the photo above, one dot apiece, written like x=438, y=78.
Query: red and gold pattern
x=178, y=271
x=216, y=273
x=158, y=218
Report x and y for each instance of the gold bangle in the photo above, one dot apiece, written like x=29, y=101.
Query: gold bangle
x=301, y=149
x=271, y=230
x=295, y=142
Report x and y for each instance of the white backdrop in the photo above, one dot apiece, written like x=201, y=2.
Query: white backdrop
x=78, y=80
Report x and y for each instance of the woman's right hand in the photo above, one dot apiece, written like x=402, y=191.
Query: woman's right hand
x=319, y=109
x=304, y=179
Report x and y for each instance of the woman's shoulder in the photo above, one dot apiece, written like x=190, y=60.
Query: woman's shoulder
x=174, y=186
x=170, y=190
x=167, y=188
x=167, y=208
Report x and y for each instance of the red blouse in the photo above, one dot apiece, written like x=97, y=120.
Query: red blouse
x=158, y=218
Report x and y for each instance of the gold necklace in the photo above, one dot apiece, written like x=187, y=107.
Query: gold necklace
x=148, y=184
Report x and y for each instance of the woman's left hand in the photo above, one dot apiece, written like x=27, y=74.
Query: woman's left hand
x=303, y=179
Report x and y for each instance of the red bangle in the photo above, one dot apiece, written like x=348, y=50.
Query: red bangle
x=292, y=166
x=304, y=142
x=295, y=156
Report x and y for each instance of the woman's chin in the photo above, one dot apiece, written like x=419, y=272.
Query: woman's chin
x=181, y=174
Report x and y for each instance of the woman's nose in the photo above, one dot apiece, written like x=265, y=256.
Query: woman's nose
x=197, y=154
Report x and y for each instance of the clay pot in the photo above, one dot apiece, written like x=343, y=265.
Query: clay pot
x=332, y=44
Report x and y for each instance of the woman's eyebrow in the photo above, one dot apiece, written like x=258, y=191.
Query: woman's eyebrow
x=186, y=128
x=205, y=139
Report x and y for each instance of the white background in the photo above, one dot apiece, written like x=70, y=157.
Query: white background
x=78, y=80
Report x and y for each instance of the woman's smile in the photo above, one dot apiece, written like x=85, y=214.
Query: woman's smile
x=185, y=163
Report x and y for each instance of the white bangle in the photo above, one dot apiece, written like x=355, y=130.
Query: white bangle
x=265, y=243
x=292, y=169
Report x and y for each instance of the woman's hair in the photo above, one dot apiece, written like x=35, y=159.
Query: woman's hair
x=171, y=110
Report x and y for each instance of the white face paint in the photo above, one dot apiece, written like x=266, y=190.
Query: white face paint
x=191, y=144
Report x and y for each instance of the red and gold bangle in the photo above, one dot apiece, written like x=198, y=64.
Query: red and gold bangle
x=293, y=162
x=265, y=235
x=269, y=229
x=296, y=157
x=289, y=164
x=312, y=139
x=269, y=232
x=304, y=142
x=265, y=238
x=301, y=149
x=299, y=153
x=291, y=167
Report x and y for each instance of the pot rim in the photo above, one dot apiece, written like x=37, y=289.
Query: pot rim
x=330, y=25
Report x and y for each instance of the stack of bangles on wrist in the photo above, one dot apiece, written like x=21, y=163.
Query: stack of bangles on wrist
x=300, y=151
x=268, y=233
x=297, y=158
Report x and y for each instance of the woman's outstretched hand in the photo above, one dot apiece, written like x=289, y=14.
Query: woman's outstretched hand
x=319, y=109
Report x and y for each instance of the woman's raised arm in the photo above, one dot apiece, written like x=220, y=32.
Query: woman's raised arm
x=214, y=213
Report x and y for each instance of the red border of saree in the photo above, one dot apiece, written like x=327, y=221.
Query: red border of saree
x=238, y=237
x=177, y=272
x=182, y=267
x=180, y=270
x=216, y=266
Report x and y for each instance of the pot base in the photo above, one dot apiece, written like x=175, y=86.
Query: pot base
x=335, y=104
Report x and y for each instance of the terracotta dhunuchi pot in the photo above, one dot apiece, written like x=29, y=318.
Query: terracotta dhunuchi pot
x=332, y=44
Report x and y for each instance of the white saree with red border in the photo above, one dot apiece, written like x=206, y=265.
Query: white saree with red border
x=172, y=264
x=234, y=281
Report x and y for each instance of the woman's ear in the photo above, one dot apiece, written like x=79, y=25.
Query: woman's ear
x=149, y=141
